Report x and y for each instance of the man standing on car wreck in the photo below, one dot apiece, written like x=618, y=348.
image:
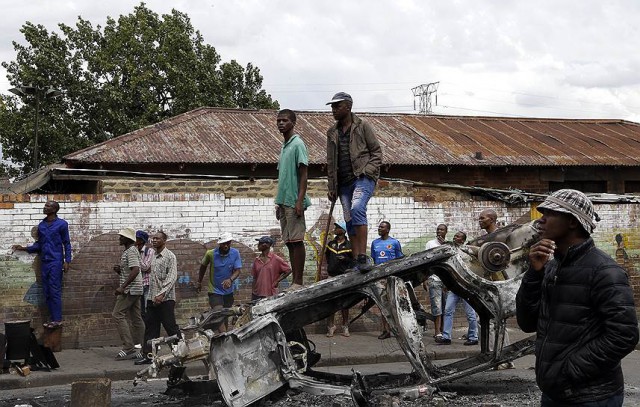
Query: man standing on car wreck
x=579, y=302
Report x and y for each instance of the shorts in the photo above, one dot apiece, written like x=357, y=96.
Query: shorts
x=293, y=227
x=354, y=198
x=435, y=296
x=220, y=301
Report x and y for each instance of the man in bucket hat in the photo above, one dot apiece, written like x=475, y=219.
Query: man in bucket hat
x=126, y=310
x=579, y=302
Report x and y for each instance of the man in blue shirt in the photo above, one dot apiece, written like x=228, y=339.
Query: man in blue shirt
x=225, y=264
x=54, y=247
x=383, y=249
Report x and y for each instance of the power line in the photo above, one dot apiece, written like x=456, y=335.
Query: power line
x=481, y=111
x=455, y=85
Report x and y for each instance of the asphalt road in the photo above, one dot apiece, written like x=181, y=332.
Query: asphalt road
x=515, y=387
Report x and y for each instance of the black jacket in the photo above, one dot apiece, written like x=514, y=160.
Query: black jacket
x=585, y=319
x=339, y=257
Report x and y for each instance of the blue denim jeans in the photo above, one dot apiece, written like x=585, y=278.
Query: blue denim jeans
x=614, y=401
x=354, y=198
x=450, y=309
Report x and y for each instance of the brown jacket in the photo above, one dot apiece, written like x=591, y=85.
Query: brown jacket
x=366, y=153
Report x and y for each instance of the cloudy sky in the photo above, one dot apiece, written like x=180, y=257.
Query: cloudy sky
x=549, y=58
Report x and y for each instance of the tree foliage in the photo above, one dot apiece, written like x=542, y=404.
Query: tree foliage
x=135, y=71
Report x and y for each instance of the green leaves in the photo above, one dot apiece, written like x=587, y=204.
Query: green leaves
x=139, y=69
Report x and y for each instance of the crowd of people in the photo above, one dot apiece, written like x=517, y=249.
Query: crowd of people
x=574, y=296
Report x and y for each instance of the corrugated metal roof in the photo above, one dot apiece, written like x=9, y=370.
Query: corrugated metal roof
x=214, y=136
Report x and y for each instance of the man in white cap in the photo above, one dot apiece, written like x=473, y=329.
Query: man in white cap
x=126, y=311
x=354, y=157
x=579, y=302
x=225, y=265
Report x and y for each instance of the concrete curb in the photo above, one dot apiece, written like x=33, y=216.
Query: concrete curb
x=128, y=371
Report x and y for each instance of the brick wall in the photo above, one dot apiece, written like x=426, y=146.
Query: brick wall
x=194, y=214
x=530, y=179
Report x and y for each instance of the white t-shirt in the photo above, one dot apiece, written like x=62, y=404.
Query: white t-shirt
x=430, y=245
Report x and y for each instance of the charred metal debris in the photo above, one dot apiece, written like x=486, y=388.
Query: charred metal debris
x=267, y=349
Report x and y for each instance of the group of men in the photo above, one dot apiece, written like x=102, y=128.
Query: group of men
x=354, y=157
x=341, y=259
x=443, y=321
x=224, y=265
x=574, y=296
x=146, y=293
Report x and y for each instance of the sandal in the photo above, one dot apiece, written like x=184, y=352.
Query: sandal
x=52, y=325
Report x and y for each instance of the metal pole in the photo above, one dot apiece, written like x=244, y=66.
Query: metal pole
x=35, y=137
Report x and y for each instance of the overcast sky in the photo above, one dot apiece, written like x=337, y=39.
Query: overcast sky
x=548, y=58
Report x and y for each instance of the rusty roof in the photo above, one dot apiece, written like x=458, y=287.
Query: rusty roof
x=219, y=136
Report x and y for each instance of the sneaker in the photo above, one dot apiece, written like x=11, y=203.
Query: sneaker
x=443, y=341
x=128, y=354
x=504, y=366
x=470, y=342
x=345, y=331
x=330, y=331
x=384, y=335
x=293, y=287
x=363, y=263
x=143, y=361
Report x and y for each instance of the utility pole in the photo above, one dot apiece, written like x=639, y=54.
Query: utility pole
x=424, y=93
x=39, y=92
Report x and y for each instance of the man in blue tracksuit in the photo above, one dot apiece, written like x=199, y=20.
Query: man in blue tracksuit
x=54, y=247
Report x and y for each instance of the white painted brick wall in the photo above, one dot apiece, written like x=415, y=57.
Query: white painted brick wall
x=248, y=218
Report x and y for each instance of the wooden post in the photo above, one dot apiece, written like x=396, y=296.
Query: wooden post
x=91, y=392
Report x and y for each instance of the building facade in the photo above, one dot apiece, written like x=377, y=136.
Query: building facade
x=195, y=213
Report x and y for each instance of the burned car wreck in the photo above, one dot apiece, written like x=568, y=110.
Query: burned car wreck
x=267, y=348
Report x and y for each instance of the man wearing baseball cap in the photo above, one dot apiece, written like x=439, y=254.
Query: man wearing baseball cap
x=354, y=157
x=579, y=302
x=267, y=271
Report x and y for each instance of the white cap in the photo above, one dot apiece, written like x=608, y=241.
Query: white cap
x=225, y=238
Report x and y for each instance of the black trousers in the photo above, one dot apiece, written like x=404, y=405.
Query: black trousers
x=164, y=314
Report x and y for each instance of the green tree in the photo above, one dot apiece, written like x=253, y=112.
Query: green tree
x=135, y=71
